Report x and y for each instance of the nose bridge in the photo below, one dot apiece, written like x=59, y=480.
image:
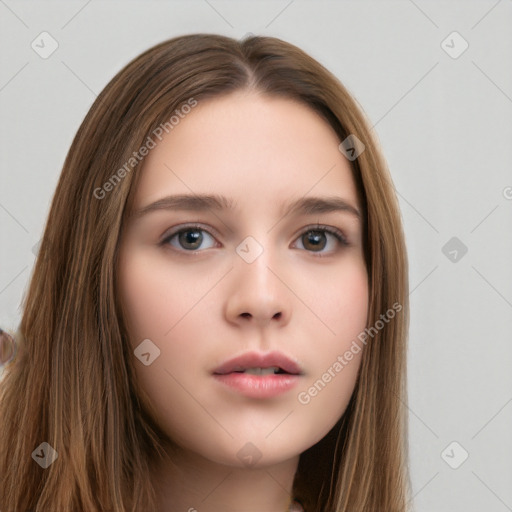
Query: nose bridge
x=253, y=251
x=255, y=259
x=257, y=292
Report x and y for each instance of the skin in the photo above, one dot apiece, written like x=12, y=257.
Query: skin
x=201, y=307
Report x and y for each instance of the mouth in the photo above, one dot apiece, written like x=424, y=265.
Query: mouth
x=258, y=375
x=255, y=363
x=272, y=370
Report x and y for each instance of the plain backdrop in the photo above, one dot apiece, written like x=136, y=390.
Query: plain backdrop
x=441, y=104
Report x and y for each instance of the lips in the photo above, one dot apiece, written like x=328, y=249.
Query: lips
x=260, y=364
x=259, y=376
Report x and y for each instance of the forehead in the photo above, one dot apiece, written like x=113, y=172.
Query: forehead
x=247, y=146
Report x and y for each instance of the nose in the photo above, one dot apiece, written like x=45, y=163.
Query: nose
x=258, y=294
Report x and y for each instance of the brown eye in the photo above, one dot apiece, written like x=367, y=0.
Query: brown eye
x=189, y=239
x=314, y=240
x=318, y=238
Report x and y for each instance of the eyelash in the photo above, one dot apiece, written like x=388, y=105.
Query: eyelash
x=336, y=233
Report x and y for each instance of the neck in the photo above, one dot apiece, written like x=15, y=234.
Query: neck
x=191, y=483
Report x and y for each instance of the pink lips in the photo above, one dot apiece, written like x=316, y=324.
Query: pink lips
x=252, y=385
x=257, y=360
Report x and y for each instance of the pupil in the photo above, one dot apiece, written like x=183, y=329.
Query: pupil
x=191, y=237
x=315, y=239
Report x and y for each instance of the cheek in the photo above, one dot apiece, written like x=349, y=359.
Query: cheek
x=164, y=305
x=339, y=300
x=348, y=304
x=155, y=296
x=158, y=305
x=140, y=292
x=335, y=363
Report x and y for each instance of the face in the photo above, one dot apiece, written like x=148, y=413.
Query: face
x=241, y=311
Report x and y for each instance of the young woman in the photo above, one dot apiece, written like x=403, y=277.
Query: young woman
x=218, y=312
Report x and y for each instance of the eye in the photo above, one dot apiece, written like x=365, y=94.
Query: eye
x=316, y=238
x=190, y=238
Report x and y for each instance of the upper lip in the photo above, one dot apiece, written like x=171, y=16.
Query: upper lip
x=259, y=360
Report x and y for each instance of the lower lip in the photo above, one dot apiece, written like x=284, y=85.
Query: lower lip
x=259, y=386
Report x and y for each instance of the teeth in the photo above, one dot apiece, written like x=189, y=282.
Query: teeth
x=262, y=371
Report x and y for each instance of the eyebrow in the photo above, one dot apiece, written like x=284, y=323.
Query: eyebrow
x=203, y=202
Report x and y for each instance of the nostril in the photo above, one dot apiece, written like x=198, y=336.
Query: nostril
x=248, y=315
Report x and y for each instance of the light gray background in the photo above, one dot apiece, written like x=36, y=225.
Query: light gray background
x=446, y=128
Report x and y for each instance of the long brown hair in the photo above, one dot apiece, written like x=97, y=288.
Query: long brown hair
x=72, y=383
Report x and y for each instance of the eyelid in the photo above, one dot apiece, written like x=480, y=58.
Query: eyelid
x=338, y=233
x=169, y=233
x=341, y=240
